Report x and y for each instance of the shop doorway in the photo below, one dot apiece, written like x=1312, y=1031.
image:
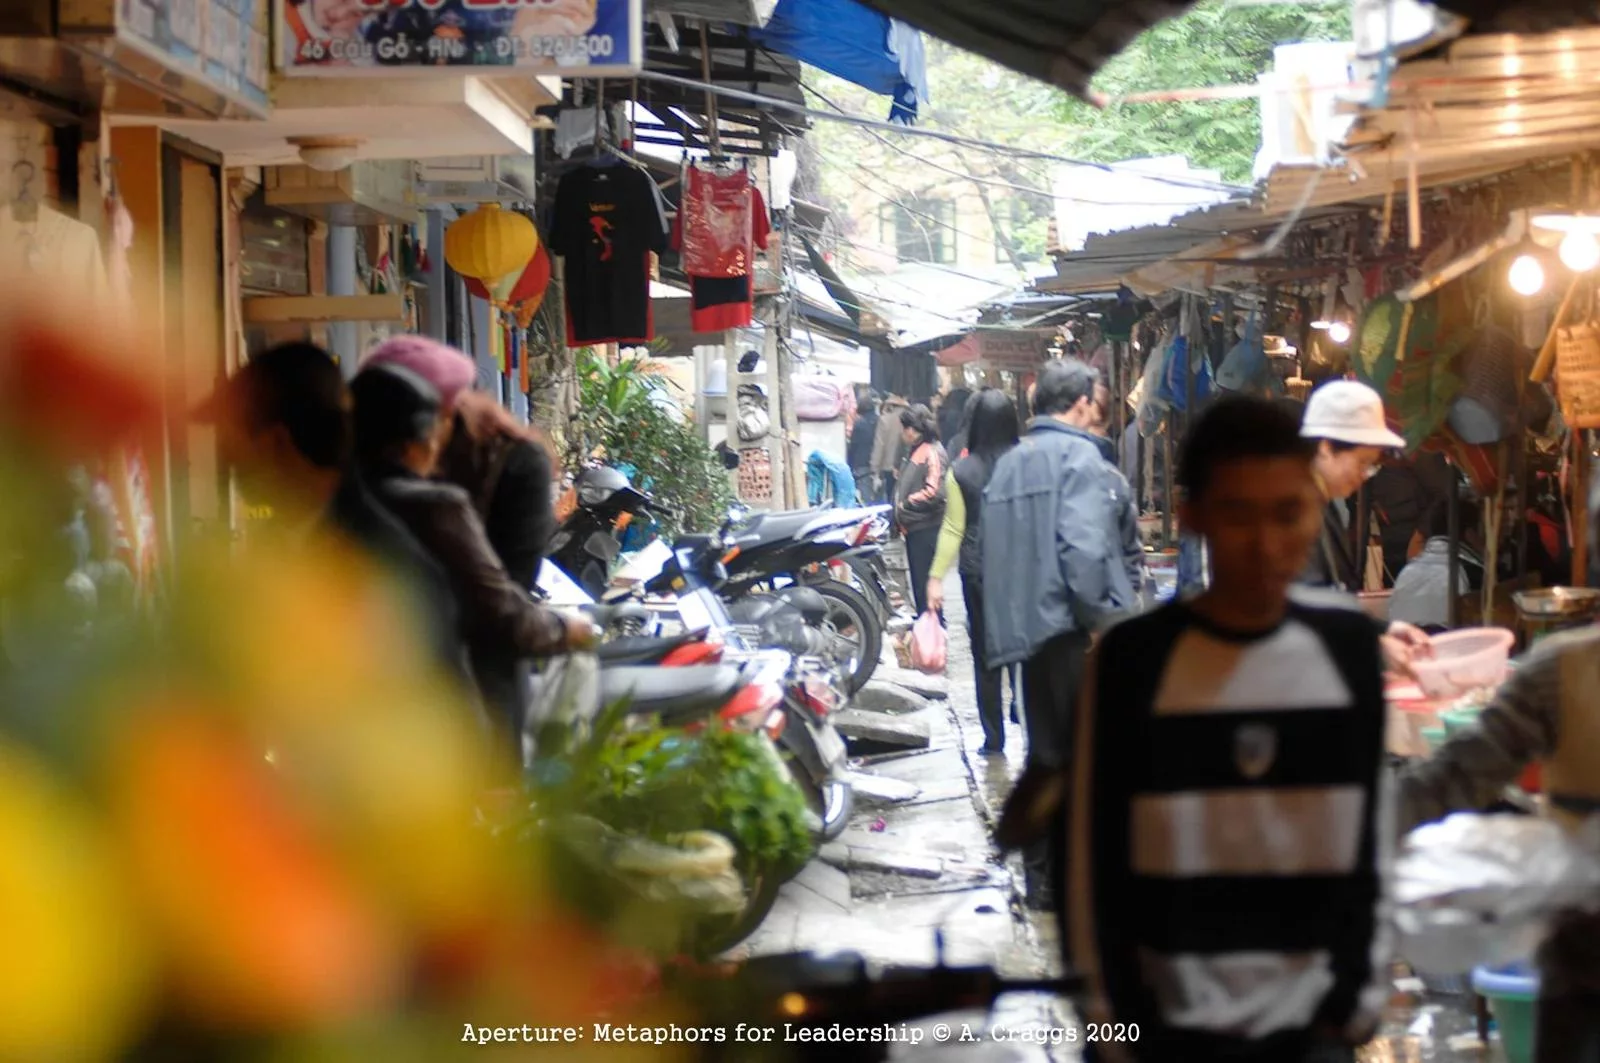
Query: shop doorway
x=191, y=193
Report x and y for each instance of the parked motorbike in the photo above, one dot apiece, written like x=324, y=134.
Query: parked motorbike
x=829, y=550
x=826, y=551
x=588, y=543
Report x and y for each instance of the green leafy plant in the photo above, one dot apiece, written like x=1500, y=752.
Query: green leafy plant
x=620, y=414
x=660, y=783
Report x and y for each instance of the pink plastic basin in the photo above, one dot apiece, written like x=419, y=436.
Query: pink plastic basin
x=1464, y=661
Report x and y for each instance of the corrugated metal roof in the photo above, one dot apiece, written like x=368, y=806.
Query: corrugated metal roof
x=1215, y=232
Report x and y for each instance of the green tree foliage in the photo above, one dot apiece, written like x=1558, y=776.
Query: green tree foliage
x=620, y=414
x=1218, y=42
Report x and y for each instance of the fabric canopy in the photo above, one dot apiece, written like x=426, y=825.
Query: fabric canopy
x=1064, y=42
x=854, y=42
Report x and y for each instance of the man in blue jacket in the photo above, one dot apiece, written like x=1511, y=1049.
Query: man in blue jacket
x=1054, y=571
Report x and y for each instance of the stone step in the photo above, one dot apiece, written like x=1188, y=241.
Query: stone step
x=877, y=732
x=880, y=695
x=883, y=861
x=881, y=790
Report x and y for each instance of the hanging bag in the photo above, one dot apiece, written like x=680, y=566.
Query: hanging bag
x=928, y=644
x=1244, y=368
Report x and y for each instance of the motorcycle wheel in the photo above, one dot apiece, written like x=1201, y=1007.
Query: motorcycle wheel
x=852, y=622
x=814, y=800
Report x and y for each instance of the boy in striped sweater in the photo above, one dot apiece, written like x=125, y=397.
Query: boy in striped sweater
x=1228, y=824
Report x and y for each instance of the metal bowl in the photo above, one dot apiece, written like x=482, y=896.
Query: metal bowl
x=1558, y=601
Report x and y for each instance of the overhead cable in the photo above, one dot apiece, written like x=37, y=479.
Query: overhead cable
x=933, y=134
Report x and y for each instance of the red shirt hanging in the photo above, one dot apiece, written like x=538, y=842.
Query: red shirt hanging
x=719, y=302
x=718, y=228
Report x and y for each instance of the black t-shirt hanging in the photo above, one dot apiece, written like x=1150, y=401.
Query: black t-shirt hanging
x=605, y=225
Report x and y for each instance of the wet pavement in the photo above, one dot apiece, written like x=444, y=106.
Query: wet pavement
x=917, y=858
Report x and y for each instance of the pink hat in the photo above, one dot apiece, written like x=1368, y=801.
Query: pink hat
x=447, y=369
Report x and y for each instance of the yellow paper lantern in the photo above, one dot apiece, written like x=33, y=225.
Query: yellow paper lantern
x=490, y=243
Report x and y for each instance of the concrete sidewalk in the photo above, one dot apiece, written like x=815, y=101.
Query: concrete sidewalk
x=917, y=858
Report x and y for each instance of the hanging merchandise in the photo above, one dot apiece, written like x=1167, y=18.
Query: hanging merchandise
x=722, y=222
x=716, y=227
x=1376, y=351
x=1486, y=411
x=1244, y=368
x=605, y=225
x=36, y=239
x=489, y=243
x=1425, y=382
x=519, y=295
x=1578, y=374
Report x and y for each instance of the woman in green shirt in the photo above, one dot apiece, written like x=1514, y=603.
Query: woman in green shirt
x=991, y=431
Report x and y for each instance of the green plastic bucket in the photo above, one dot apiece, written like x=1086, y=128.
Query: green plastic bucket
x=1513, y=996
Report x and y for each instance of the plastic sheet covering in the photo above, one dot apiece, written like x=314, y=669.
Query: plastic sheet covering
x=1480, y=890
x=718, y=223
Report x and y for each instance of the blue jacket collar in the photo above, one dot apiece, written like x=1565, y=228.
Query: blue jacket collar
x=1050, y=424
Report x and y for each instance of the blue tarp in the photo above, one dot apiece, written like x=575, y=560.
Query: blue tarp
x=854, y=42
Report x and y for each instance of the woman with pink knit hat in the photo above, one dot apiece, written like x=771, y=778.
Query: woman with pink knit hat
x=505, y=469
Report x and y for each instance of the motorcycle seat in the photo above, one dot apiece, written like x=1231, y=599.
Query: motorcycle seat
x=772, y=527
x=641, y=649
x=696, y=691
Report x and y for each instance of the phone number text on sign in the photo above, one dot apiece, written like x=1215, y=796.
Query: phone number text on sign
x=587, y=47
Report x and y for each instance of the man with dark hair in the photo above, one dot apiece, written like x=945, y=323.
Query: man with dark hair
x=283, y=425
x=1052, y=497
x=1229, y=835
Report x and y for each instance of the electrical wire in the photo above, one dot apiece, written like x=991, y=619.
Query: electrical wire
x=990, y=182
x=934, y=134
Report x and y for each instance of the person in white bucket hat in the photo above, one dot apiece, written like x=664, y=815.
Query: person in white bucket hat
x=1346, y=418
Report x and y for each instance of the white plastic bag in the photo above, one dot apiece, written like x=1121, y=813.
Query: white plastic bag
x=1479, y=890
x=565, y=696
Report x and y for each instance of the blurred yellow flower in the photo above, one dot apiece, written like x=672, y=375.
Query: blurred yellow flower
x=75, y=980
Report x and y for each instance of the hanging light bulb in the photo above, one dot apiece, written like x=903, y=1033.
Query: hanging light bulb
x=1580, y=251
x=1526, y=275
x=1339, y=332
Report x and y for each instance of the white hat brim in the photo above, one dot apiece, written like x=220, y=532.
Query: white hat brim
x=1358, y=437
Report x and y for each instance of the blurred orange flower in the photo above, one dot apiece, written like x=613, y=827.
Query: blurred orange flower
x=265, y=927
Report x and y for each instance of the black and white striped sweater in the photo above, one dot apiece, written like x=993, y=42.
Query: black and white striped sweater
x=1230, y=841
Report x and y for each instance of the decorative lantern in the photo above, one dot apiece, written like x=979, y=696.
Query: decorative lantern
x=490, y=244
x=522, y=294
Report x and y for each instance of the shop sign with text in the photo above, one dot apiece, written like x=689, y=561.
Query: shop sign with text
x=1014, y=350
x=338, y=38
